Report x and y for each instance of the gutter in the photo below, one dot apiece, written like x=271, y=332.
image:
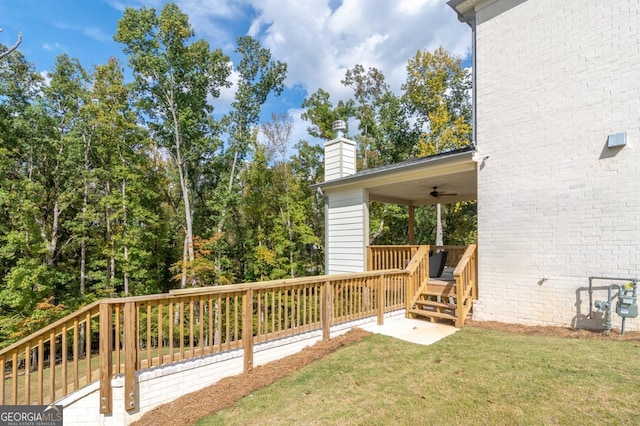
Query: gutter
x=466, y=13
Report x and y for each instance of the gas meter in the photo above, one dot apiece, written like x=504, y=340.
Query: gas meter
x=627, y=306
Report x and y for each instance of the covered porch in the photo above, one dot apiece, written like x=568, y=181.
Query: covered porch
x=430, y=294
x=439, y=179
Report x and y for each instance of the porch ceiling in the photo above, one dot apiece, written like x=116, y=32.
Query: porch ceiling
x=416, y=191
x=410, y=182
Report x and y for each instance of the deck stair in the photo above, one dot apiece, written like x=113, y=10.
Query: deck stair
x=449, y=296
x=437, y=299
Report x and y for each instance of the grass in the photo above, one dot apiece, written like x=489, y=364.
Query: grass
x=475, y=376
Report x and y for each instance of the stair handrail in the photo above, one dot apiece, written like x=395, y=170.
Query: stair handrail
x=466, y=276
x=417, y=275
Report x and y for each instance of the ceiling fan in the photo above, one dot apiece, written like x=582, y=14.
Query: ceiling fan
x=436, y=194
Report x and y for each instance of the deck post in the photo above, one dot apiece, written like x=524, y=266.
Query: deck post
x=130, y=355
x=106, y=348
x=247, y=330
x=325, y=295
x=380, y=290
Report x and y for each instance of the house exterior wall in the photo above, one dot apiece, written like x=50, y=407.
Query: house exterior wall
x=554, y=79
x=555, y=205
x=347, y=231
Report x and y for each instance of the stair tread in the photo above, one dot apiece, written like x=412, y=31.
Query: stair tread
x=439, y=291
x=435, y=314
x=436, y=304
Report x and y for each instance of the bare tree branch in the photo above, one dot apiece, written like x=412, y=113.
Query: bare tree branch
x=14, y=47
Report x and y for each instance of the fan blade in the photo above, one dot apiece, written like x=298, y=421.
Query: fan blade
x=435, y=193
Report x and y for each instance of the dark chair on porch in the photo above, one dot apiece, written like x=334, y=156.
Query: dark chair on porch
x=437, y=262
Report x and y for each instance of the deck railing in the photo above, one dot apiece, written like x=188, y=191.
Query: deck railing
x=57, y=360
x=466, y=276
x=398, y=257
x=454, y=253
x=122, y=336
x=389, y=257
x=417, y=274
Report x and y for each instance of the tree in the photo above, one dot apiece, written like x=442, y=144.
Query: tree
x=174, y=79
x=259, y=76
x=39, y=191
x=385, y=137
x=12, y=48
x=127, y=198
x=436, y=92
x=307, y=168
x=321, y=114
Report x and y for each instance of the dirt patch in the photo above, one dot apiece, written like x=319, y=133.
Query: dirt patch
x=571, y=333
x=190, y=408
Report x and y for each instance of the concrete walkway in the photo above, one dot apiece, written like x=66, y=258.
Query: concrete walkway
x=416, y=331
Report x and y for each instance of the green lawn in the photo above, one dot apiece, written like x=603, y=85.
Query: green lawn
x=473, y=377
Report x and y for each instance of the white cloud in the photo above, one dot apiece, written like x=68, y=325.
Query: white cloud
x=222, y=104
x=320, y=39
x=91, y=32
x=53, y=46
x=319, y=44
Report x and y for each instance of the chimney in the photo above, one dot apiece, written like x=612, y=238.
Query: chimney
x=339, y=154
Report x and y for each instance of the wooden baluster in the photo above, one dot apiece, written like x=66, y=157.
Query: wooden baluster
x=148, y=342
x=40, y=370
x=2, y=366
x=63, y=370
x=76, y=347
x=160, y=334
x=191, y=327
x=14, y=378
x=181, y=323
x=170, y=333
x=27, y=374
x=87, y=346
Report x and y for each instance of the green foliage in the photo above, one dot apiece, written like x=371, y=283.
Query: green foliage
x=321, y=113
x=436, y=93
x=109, y=188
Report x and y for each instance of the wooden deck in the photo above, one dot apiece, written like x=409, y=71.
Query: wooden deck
x=449, y=296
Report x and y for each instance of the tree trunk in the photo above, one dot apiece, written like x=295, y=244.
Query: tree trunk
x=85, y=202
x=126, y=246
x=184, y=187
x=107, y=223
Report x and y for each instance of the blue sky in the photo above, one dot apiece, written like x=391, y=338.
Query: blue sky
x=318, y=39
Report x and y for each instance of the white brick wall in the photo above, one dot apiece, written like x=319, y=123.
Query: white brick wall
x=555, y=206
x=162, y=385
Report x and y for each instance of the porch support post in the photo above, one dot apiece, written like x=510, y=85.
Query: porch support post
x=411, y=224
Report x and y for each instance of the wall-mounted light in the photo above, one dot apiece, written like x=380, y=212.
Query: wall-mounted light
x=617, y=140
